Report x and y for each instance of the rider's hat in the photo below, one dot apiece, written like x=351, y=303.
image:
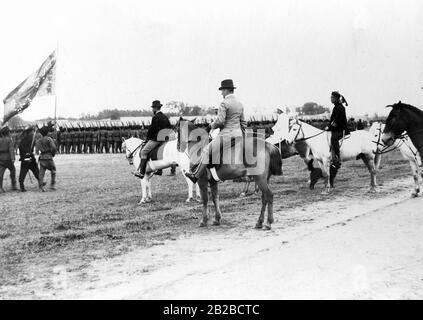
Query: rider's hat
x=227, y=84
x=156, y=104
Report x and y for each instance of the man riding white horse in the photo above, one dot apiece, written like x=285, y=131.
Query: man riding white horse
x=338, y=126
x=230, y=120
x=159, y=122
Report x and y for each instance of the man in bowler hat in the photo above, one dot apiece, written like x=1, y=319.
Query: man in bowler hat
x=230, y=120
x=153, y=140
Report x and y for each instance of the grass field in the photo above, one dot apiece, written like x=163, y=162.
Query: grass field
x=94, y=213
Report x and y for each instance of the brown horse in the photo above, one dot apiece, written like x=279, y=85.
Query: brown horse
x=404, y=118
x=267, y=162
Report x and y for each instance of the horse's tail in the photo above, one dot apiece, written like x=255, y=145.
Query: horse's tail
x=275, y=166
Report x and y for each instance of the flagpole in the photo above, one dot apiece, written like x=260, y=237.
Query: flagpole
x=55, y=82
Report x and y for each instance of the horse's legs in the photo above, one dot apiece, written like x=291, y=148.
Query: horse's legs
x=378, y=159
x=369, y=162
x=325, y=166
x=203, y=184
x=267, y=200
x=215, y=197
x=149, y=195
x=143, y=191
x=190, y=191
x=198, y=193
x=260, y=221
x=415, y=169
x=244, y=192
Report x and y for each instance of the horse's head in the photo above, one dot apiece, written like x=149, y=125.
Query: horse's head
x=131, y=146
x=187, y=132
x=396, y=124
x=295, y=131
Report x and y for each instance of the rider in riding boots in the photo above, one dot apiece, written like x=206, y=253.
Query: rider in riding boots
x=158, y=123
x=230, y=120
x=338, y=126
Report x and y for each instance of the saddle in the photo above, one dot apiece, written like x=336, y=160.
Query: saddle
x=154, y=154
x=235, y=153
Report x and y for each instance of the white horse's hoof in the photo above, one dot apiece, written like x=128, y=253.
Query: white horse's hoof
x=325, y=192
x=142, y=201
x=373, y=190
x=188, y=200
x=148, y=200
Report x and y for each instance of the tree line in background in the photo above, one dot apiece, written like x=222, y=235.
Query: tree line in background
x=178, y=108
x=172, y=108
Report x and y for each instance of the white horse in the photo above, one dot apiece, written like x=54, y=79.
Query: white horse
x=405, y=146
x=358, y=145
x=170, y=156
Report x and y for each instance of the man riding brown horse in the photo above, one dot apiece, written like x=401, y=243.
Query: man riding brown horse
x=230, y=120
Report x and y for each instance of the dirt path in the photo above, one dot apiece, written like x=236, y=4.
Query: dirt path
x=344, y=248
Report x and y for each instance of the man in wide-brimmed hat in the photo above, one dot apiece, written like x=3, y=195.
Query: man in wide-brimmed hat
x=230, y=120
x=7, y=157
x=154, y=137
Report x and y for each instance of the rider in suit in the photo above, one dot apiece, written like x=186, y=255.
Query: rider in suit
x=338, y=126
x=230, y=120
x=154, y=136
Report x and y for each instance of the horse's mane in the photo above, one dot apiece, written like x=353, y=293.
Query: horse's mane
x=411, y=108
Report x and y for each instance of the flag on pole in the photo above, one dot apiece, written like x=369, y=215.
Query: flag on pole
x=41, y=82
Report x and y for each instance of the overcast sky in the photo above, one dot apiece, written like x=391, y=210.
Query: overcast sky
x=124, y=54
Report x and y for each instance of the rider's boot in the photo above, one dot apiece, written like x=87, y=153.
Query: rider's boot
x=140, y=173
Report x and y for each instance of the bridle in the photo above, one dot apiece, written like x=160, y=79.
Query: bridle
x=131, y=154
x=401, y=139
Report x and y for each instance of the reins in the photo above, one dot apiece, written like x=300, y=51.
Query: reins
x=131, y=155
x=305, y=139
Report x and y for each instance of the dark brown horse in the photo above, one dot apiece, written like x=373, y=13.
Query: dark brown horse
x=404, y=118
x=268, y=162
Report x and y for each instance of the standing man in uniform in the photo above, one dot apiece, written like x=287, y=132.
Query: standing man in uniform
x=117, y=140
x=27, y=157
x=338, y=126
x=68, y=137
x=88, y=141
x=95, y=140
x=230, y=120
x=47, y=149
x=158, y=123
x=7, y=157
x=103, y=139
x=109, y=144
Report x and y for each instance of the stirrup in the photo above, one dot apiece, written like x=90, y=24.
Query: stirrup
x=138, y=174
x=191, y=176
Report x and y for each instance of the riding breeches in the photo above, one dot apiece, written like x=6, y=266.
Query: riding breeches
x=149, y=146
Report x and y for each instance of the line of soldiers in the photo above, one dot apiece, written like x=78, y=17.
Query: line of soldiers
x=90, y=140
